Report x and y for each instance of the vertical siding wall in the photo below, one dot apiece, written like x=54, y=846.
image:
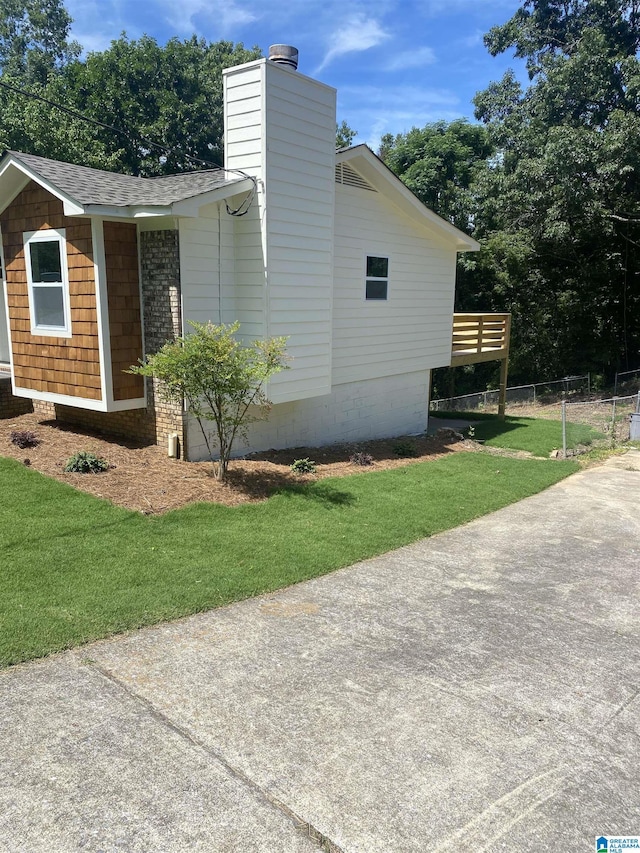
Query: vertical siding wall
x=280, y=127
x=123, y=294
x=69, y=366
x=412, y=328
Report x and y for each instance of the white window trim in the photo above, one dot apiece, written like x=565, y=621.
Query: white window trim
x=48, y=235
x=386, y=278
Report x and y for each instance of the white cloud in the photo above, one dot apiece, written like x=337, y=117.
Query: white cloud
x=374, y=111
x=222, y=15
x=411, y=59
x=357, y=34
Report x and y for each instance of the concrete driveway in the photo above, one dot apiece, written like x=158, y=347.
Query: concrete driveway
x=475, y=691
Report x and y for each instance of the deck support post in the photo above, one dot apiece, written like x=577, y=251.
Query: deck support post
x=502, y=400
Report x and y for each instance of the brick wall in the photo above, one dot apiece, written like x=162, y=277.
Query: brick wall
x=10, y=406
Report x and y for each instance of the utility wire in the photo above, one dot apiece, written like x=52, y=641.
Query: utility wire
x=242, y=208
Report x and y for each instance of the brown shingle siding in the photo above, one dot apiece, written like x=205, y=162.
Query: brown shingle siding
x=43, y=362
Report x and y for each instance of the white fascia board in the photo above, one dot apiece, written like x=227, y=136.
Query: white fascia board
x=130, y=211
x=381, y=177
x=71, y=206
x=12, y=182
x=79, y=402
x=191, y=206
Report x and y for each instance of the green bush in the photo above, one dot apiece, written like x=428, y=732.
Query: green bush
x=303, y=466
x=405, y=449
x=85, y=462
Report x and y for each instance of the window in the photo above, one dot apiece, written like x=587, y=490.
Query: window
x=46, y=260
x=377, y=278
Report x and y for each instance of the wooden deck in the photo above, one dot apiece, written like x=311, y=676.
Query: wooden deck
x=483, y=337
x=480, y=337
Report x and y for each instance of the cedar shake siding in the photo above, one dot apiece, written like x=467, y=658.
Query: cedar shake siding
x=123, y=289
x=56, y=365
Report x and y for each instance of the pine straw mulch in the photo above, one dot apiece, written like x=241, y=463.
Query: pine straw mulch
x=144, y=479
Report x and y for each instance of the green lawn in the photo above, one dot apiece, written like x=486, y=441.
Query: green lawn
x=75, y=568
x=537, y=435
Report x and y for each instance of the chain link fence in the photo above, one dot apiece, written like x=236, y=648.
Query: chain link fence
x=533, y=393
x=595, y=420
x=627, y=380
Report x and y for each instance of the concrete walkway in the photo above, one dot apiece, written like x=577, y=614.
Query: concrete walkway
x=475, y=691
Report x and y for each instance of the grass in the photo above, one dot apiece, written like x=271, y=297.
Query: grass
x=535, y=435
x=76, y=568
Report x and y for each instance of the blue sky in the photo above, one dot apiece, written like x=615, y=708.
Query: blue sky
x=395, y=63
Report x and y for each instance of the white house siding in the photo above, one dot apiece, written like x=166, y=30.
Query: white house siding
x=212, y=247
x=200, y=267
x=374, y=408
x=412, y=329
x=289, y=120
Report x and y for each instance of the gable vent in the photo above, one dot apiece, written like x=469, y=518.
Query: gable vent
x=350, y=178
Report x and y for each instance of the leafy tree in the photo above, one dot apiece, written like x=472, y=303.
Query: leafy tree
x=439, y=163
x=169, y=94
x=344, y=135
x=220, y=381
x=561, y=204
x=34, y=39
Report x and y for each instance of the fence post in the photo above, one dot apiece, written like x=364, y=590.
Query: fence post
x=564, y=429
x=615, y=385
x=638, y=404
x=589, y=382
x=613, y=422
x=534, y=393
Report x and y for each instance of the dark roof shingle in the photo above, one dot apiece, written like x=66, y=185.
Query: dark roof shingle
x=95, y=186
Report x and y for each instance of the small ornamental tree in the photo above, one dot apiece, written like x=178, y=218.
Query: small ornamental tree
x=219, y=380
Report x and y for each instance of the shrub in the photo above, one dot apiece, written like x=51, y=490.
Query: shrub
x=85, y=462
x=219, y=380
x=24, y=438
x=360, y=458
x=405, y=449
x=303, y=466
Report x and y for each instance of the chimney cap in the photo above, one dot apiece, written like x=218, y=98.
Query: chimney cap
x=284, y=54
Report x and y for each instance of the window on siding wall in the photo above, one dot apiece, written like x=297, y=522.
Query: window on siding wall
x=48, y=280
x=377, y=281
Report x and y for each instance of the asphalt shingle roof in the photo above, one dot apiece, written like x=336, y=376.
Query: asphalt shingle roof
x=94, y=186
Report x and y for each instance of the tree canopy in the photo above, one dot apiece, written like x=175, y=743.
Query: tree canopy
x=549, y=184
x=561, y=208
x=168, y=94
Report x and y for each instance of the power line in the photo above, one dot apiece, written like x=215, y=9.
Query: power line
x=242, y=208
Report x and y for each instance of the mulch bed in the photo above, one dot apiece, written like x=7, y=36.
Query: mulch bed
x=144, y=479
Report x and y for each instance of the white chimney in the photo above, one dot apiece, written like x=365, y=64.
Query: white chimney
x=280, y=127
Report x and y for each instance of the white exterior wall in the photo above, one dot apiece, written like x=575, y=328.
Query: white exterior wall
x=200, y=267
x=207, y=267
x=280, y=128
x=412, y=328
x=374, y=408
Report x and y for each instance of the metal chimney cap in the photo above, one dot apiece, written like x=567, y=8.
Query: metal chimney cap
x=284, y=54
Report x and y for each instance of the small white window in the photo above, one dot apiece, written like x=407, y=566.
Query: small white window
x=46, y=259
x=377, y=279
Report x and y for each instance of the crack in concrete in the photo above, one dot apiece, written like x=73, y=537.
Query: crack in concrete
x=300, y=824
x=624, y=705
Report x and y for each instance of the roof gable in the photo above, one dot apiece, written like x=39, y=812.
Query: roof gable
x=376, y=173
x=84, y=190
